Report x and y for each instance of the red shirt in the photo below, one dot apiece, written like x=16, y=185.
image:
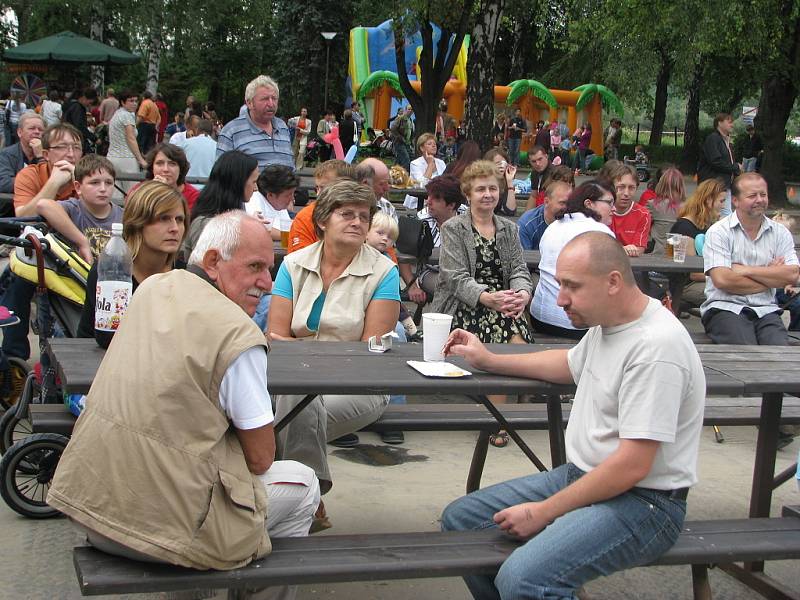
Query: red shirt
x=632, y=227
x=646, y=197
x=190, y=194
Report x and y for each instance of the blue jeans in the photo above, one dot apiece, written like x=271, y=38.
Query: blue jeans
x=632, y=529
x=513, y=150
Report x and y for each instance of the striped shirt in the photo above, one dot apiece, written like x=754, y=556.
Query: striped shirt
x=245, y=136
x=727, y=243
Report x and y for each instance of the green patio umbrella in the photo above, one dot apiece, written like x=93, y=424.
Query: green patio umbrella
x=69, y=47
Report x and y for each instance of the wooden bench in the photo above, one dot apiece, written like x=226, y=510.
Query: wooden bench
x=385, y=556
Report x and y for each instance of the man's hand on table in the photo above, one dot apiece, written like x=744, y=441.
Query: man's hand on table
x=466, y=344
x=523, y=520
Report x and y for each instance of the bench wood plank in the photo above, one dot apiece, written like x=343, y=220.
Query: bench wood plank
x=367, y=557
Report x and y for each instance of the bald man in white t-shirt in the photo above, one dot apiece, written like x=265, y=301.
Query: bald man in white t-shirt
x=632, y=438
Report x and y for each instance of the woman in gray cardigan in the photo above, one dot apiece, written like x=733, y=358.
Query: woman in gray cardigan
x=483, y=280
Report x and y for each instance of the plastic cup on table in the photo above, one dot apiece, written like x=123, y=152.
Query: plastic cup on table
x=436, y=330
x=679, y=250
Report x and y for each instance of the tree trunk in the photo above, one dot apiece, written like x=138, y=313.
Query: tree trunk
x=778, y=93
x=518, y=53
x=777, y=98
x=435, y=71
x=96, y=33
x=154, y=55
x=660, y=108
x=479, y=114
x=691, y=129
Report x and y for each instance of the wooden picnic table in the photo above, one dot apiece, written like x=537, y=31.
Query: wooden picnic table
x=349, y=368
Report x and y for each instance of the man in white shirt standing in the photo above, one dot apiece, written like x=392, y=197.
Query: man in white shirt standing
x=632, y=438
x=201, y=151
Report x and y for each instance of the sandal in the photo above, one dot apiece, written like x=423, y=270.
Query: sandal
x=499, y=439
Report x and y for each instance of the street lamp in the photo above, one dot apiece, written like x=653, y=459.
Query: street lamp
x=328, y=35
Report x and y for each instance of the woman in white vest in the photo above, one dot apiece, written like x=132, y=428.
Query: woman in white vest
x=336, y=289
x=425, y=167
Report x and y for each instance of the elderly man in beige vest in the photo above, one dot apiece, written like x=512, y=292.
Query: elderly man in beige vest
x=180, y=407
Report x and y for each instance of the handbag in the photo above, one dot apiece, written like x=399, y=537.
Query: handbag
x=415, y=238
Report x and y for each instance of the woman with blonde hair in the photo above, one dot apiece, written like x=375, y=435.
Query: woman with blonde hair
x=425, y=167
x=670, y=194
x=484, y=281
x=154, y=223
x=699, y=212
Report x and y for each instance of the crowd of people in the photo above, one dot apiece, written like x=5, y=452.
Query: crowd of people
x=202, y=430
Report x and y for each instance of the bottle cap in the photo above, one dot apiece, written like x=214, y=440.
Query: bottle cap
x=116, y=228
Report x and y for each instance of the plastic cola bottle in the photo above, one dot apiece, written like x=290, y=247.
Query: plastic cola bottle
x=114, y=284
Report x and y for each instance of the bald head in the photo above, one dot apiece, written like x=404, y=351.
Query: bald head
x=600, y=254
x=375, y=173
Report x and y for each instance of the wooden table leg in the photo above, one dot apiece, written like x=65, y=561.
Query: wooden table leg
x=764, y=465
x=555, y=424
x=505, y=425
x=293, y=413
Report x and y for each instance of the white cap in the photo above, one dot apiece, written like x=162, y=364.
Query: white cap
x=116, y=228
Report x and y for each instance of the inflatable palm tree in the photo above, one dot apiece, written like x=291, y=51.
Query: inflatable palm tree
x=608, y=98
x=520, y=87
x=375, y=82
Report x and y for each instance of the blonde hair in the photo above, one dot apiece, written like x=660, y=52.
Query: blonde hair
x=381, y=220
x=699, y=207
x=146, y=204
x=423, y=139
x=477, y=170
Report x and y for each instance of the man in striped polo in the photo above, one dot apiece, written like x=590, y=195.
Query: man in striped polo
x=259, y=132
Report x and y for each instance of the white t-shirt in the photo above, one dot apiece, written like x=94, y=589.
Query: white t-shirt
x=117, y=142
x=178, y=139
x=557, y=235
x=641, y=380
x=51, y=113
x=243, y=392
x=258, y=204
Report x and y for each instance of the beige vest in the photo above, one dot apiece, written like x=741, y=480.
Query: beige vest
x=348, y=296
x=153, y=463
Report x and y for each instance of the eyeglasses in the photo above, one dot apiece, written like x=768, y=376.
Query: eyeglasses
x=349, y=215
x=606, y=199
x=67, y=148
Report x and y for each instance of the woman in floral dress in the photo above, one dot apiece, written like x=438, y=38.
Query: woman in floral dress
x=484, y=281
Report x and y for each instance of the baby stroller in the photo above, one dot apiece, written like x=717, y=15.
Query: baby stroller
x=29, y=461
x=379, y=144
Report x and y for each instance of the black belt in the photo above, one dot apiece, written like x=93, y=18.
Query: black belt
x=679, y=494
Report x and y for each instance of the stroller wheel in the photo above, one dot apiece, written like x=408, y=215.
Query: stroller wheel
x=13, y=429
x=12, y=381
x=26, y=471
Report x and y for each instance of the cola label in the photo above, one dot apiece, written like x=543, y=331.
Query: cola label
x=112, y=301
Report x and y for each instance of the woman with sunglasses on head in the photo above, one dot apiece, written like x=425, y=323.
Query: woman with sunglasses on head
x=341, y=289
x=588, y=208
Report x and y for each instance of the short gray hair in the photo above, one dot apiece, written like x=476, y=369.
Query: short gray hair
x=29, y=114
x=260, y=81
x=222, y=233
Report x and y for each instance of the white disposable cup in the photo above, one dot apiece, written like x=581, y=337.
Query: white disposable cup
x=679, y=250
x=436, y=330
